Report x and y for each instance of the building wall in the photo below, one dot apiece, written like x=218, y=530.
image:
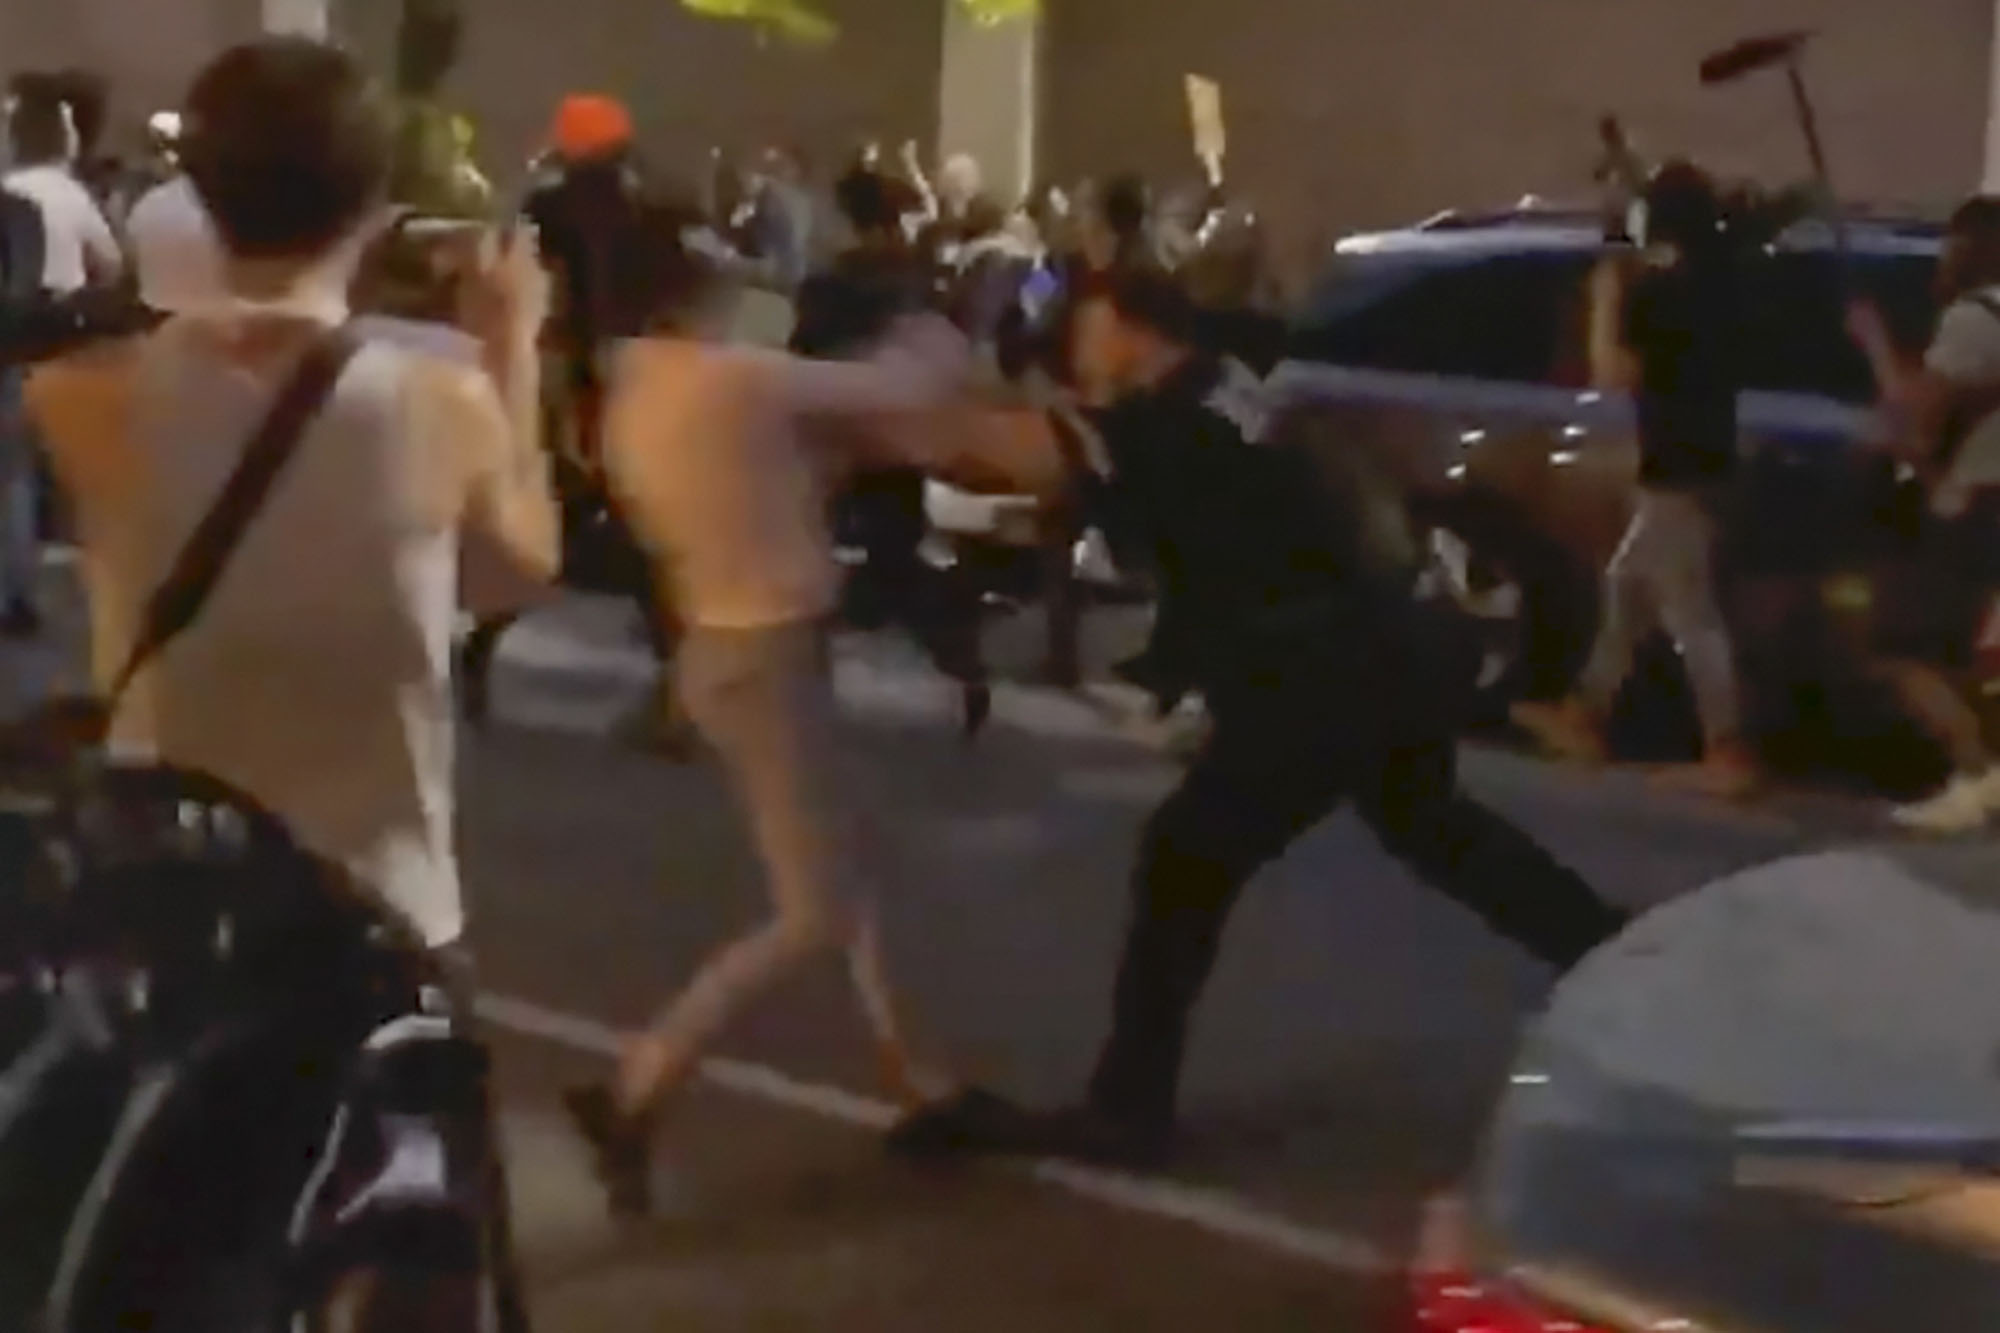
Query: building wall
x=1342, y=113
x=691, y=83
x=1351, y=113
x=148, y=48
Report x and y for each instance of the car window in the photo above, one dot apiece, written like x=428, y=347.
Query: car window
x=1506, y=317
x=1794, y=334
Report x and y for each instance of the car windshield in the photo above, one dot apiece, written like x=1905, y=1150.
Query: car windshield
x=1773, y=1105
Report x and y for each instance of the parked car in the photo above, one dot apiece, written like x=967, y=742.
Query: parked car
x=1772, y=1106
x=1455, y=352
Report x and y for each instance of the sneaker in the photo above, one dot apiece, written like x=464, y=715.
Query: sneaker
x=1963, y=806
x=620, y=1144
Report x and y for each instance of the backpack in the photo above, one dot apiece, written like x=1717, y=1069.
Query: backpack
x=219, y=1058
x=22, y=258
x=36, y=325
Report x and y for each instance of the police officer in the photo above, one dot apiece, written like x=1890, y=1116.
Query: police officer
x=1328, y=682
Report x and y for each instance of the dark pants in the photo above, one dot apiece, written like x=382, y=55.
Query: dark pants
x=1272, y=770
x=885, y=513
x=482, y=645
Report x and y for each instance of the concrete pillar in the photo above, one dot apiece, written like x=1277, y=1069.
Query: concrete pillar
x=304, y=18
x=1989, y=179
x=988, y=90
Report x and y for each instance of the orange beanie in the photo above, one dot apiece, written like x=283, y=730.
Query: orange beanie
x=588, y=125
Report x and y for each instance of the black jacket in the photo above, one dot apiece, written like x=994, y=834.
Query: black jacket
x=1276, y=576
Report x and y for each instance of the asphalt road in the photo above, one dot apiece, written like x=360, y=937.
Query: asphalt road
x=1345, y=1057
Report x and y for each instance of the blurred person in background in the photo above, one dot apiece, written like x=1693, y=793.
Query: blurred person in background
x=175, y=251
x=788, y=230
x=1117, y=225
x=79, y=252
x=110, y=180
x=1946, y=416
x=582, y=211
x=844, y=311
x=1666, y=327
x=80, y=247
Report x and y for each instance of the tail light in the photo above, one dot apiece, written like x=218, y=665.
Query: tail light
x=1446, y=1297
x=1461, y=1303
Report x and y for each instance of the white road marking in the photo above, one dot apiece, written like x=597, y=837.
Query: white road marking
x=1216, y=1212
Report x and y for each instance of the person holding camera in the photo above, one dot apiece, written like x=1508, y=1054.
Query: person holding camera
x=317, y=679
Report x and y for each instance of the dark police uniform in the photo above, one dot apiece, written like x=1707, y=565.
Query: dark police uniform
x=1327, y=680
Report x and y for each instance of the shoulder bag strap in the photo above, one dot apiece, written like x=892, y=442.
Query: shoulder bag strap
x=186, y=589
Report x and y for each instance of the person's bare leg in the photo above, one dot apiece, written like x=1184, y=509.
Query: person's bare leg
x=659, y=1062
x=775, y=732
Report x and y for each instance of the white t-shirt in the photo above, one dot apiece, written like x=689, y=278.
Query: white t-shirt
x=75, y=234
x=318, y=676
x=174, y=245
x=1966, y=351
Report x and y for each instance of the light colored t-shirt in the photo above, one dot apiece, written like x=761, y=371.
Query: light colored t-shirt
x=75, y=234
x=318, y=676
x=1966, y=351
x=716, y=455
x=174, y=245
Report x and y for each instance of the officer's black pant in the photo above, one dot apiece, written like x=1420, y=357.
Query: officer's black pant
x=1268, y=774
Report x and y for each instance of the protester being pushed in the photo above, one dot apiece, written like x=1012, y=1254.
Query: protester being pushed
x=1946, y=413
x=1328, y=683
x=720, y=454
x=1667, y=328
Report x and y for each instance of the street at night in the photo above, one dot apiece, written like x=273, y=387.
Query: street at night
x=1353, y=1040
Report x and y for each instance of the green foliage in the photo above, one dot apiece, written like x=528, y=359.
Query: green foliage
x=798, y=21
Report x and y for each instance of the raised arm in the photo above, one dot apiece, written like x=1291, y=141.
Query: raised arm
x=1612, y=363
x=495, y=418
x=919, y=366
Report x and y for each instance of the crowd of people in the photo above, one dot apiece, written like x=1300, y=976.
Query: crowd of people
x=1061, y=349
x=318, y=677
